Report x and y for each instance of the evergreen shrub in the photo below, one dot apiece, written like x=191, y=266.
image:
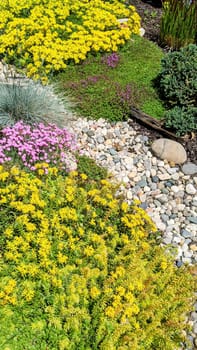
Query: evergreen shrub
x=182, y=120
x=178, y=77
x=81, y=269
x=178, y=88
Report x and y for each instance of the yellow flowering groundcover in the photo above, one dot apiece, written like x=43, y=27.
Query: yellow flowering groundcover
x=44, y=36
x=81, y=269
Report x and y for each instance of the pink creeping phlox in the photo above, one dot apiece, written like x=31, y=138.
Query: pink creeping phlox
x=40, y=143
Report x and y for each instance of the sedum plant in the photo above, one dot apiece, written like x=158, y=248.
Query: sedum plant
x=45, y=36
x=30, y=102
x=81, y=269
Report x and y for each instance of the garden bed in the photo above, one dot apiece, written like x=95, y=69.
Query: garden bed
x=80, y=267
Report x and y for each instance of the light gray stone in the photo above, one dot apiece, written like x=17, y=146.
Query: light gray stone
x=175, y=176
x=186, y=234
x=175, y=189
x=142, y=31
x=189, y=168
x=190, y=189
x=129, y=194
x=153, y=172
x=193, y=219
x=164, y=177
x=167, y=240
x=195, y=328
x=169, y=150
x=172, y=171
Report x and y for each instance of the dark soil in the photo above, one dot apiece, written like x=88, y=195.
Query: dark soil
x=150, y=13
x=150, y=17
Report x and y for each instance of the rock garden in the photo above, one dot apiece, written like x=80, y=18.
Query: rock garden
x=98, y=175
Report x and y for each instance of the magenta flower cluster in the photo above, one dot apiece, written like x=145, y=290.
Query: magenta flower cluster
x=38, y=143
x=111, y=60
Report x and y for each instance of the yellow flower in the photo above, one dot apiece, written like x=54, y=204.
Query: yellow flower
x=83, y=176
x=41, y=172
x=61, y=39
x=8, y=231
x=4, y=176
x=164, y=265
x=110, y=312
x=94, y=292
x=14, y=171
x=89, y=251
x=124, y=207
x=61, y=258
x=28, y=294
x=120, y=290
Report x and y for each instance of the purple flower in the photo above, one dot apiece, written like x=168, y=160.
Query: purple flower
x=111, y=60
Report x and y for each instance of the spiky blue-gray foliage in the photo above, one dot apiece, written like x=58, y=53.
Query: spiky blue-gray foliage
x=31, y=102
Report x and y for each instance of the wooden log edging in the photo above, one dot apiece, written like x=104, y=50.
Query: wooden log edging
x=153, y=123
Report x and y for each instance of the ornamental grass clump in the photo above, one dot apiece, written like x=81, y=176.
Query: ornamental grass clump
x=44, y=37
x=178, y=23
x=31, y=102
x=44, y=144
x=81, y=269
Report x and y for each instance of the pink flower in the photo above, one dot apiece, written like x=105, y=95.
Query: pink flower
x=34, y=144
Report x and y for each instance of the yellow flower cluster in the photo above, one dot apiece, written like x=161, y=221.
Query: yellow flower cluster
x=44, y=36
x=78, y=267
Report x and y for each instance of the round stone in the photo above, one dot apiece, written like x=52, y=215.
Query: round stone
x=155, y=179
x=129, y=194
x=169, y=150
x=90, y=133
x=186, y=234
x=153, y=172
x=179, y=263
x=193, y=219
x=142, y=183
x=189, y=169
x=195, y=328
x=190, y=189
x=175, y=176
x=175, y=189
x=168, y=184
x=193, y=247
x=164, y=217
x=143, y=205
x=164, y=177
x=142, y=31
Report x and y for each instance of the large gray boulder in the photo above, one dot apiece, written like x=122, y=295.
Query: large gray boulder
x=169, y=150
